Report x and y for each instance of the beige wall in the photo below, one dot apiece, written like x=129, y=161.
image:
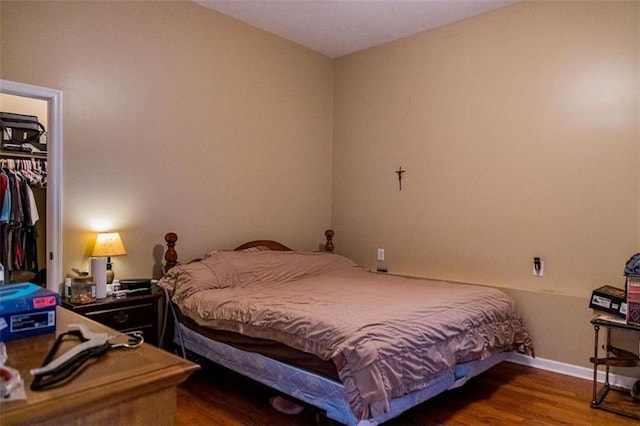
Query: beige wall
x=519, y=131
x=177, y=118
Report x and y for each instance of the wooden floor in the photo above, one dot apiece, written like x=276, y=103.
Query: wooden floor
x=508, y=394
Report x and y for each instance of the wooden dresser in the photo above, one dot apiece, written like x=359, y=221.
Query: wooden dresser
x=123, y=387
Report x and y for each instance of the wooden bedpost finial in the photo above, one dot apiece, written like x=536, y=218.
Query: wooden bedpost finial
x=329, y=244
x=170, y=256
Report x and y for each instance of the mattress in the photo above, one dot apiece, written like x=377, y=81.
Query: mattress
x=268, y=348
x=315, y=389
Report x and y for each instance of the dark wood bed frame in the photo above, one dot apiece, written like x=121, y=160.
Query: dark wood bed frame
x=171, y=256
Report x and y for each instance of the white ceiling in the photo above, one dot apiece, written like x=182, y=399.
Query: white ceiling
x=339, y=27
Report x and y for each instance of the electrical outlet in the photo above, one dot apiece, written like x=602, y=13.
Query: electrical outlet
x=380, y=254
x=538, y=267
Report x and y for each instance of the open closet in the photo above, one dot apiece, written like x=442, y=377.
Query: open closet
x=23, y=200
x=32, y=250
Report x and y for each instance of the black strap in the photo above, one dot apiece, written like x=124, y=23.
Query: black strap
x=68, y=368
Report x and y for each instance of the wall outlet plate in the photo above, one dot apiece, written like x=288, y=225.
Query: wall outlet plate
x=538, y=271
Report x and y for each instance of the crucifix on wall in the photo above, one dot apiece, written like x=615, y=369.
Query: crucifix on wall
x=400, y=172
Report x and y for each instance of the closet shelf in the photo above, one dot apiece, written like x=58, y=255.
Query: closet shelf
x=15, y=154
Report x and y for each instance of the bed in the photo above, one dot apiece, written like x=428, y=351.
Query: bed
x=362, y=347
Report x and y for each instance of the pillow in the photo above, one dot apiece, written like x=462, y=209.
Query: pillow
x=253, y=266
x=269, y=267
x=247, y=250
x=209, y=273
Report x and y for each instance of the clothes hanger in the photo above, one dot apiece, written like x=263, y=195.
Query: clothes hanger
x=55, y=371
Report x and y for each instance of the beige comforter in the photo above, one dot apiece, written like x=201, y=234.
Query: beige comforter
x=387, y=335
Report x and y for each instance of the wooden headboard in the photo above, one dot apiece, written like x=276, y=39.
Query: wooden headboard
x=171, y=256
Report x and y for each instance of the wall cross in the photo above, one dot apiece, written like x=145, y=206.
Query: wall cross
x=400, y=172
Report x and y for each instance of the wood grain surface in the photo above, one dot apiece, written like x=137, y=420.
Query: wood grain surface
x=508, y=394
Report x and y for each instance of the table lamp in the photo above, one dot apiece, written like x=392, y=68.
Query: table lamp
x=108, y=244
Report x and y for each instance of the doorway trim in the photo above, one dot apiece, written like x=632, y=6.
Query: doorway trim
x=54, y=173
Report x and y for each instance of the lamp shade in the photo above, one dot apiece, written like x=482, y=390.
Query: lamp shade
x=108, y=244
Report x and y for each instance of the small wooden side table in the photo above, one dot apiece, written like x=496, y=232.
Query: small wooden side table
x=614, y=357
x=122, y=387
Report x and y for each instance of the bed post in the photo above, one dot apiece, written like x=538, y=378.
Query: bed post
x=329, y=244
x=170, y=256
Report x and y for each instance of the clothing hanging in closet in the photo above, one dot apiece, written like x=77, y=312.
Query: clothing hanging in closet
x=19, y=212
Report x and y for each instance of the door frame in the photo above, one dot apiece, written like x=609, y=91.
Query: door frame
x=54, y=173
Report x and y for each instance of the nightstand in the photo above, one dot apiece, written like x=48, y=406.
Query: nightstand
x=614, y=357
x=127, y=313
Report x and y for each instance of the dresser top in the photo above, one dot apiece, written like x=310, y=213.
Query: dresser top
x=120, y=374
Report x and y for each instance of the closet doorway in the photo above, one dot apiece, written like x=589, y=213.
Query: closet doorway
x=53, y=99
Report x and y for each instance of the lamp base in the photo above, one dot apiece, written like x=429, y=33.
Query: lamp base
x=110, y=276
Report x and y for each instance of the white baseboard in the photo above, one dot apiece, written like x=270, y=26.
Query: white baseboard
x=571, y=370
